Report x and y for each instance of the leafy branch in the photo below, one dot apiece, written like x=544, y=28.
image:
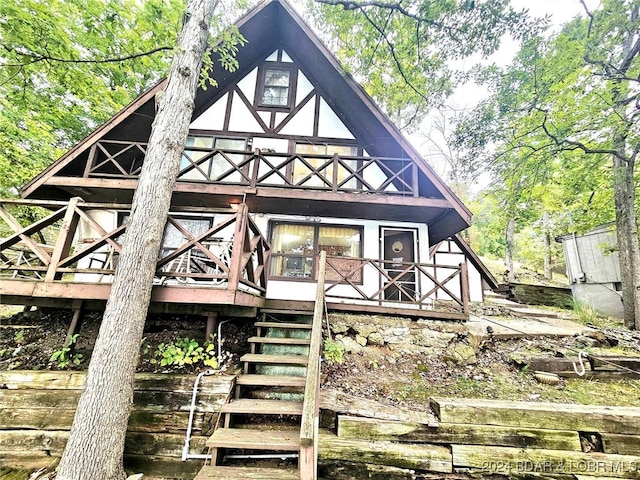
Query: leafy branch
x=36, y=58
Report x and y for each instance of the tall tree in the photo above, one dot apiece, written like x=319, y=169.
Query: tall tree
x=570, y=107
x=96, y=443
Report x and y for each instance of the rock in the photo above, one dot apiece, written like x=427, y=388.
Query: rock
x=461, y=355
x=137, y=476
x=339, y=327
x=375, y=338
x=361, y=340
x=364, y=329
x=587, y=341
x=350, y=345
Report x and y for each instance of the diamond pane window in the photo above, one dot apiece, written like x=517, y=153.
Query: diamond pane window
x=275, y=91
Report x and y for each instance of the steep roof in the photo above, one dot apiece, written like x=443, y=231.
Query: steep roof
x=275, y=24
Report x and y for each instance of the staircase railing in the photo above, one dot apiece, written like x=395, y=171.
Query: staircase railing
x=308, y=461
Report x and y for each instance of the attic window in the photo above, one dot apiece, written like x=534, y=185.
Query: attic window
x=276, y=87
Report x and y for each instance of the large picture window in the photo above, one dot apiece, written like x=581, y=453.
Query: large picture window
x=296, y=247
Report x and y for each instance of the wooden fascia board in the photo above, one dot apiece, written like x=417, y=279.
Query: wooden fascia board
x=380, y=199
x=260, y=192
x=382, y=117
x=81, y=147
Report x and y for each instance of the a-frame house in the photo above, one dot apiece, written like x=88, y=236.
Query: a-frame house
x=290, y=140
x=288, y=156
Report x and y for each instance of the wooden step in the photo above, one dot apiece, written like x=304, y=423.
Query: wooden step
x=279, y=440
x=303, y=326
x=270, y=381
x=280, y=340
x=263, y=407
x=275, y=359
x=246, y=473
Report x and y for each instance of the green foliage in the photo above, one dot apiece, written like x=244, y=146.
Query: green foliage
x=585, y=313
x=65, y=356
x=404, y=53
x=333, y=351
x=186, y=351
x=57, y=77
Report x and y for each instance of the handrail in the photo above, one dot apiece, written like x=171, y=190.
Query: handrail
x=408, y=278
x=308, y=460
x=372, y=174
x=52, y=257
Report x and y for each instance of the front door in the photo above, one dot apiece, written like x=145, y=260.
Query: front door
x=399, y=248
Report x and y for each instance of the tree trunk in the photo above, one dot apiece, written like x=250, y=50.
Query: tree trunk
x=546, y=235
x=627, y=235
x=508, y=249
x=96, y=443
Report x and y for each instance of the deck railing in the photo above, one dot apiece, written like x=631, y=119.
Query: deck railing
x=388, y=282
x=311, y=406
x=75, y=244
x=334, y=173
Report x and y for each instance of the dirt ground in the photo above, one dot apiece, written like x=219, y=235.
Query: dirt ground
x=499, y=369
x=29, y=339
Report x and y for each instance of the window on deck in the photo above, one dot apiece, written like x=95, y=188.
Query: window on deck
x=195, y=168
x=297, y=246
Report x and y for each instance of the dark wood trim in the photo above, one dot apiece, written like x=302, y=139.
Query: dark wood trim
x=227, y=111
x=292, y=114
x=98, y=133
x=316, y=115
x=251, y=109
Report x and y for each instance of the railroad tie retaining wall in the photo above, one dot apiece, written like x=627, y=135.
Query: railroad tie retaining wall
x=490, y=438
x=37, y=409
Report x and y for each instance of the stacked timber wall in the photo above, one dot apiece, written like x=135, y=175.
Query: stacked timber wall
x=37, y=408
x=487, y=439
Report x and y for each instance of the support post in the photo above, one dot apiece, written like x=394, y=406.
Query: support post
x=64, y=241
x=464, y=286
x=238, y=247
x=212, y=325
x=75, y=325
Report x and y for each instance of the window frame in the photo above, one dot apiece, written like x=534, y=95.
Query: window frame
x=262, y=74
x=316, y=253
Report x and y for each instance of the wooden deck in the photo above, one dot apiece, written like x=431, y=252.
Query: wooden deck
x=69, y=257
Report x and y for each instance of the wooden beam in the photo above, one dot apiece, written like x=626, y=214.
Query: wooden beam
x=434, y=458
x=522, y=461
x=38, y=250
x=64, y=241
x=557, y=416
x=453, y=433
x=74, y=326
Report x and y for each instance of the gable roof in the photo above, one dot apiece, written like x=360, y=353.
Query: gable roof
x=337, y=87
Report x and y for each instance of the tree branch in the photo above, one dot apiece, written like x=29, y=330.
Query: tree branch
x=576, y=144
x=392, y=50
x=48, y=58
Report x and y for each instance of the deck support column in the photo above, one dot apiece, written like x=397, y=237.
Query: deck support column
x=74, y=326
x=212, y=325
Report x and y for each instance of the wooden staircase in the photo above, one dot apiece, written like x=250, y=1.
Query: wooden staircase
x=264, y=417
x=275, y=411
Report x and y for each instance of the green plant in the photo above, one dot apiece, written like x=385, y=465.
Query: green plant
x=65, y=356
x=585, y=313
x=333, y=351
x=186, y=351
x=19, y=337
